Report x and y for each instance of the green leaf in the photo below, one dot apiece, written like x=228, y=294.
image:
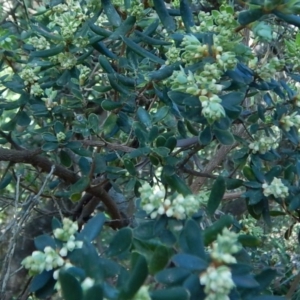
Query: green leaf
x=175, y=293
x=178, y=184
x=217, y=192
x=159, y=259
x=124, y=28
x=50, y=146
x=186, y=14
x=205, y=136
x=189, y=262
x=65, y=159
x=172, y=276
x=40, y=281
x=43, y=241
x=75, y=197
x=22, y=118
x=49, y=52
x=93, y=227
x=70, y=287
x=225, y=137
x=171, y=143
x=141, y=51
x=192, y=233
x=121, y=242
x=162, y=12
x=5, y=181
x=110, y=123
x=137, y=277
x=94, y=293
x=248, y=16
x=93, y=122
x=128, y=164
x=211, y=233
x=245, y=281
x=80, y=185
x=291, y=19
x=161, y=151
x=110, y=105
x=49, y=137
x=144, y=117
x=58, y=127
x=111, y=13
x=249, y=240
x=84, y=166
x=64, y=78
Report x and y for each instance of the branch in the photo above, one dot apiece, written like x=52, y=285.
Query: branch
x=33, y=158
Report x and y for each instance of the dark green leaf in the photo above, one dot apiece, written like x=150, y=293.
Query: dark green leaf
x=141, y=51
x=43, y=241
x=84, y=165
x=216, y=195
x=137, y=277
x=128, y=164
x=164, y=16
x=144, y=117
x=175, y=293
x=49, y=52
x=189, y=262
x=65, y=159
x=205, y=136
x=124, y=28
x=245, y=281
x=248, y=16
x=93, y=122
x=70, y=287
x=172, y=276
x=249, y=240
x=94, y=293
x=49, y=146
x=5, y=181
x=93, y=227
x=121, y=242
x=111, y=13
x=192, y=233
x=178, y=184
x=211, y=233
x=110, y=105
x=159, y=259
x=22, y=118
x=40, y=281
x=225, y=137
x=80, y=185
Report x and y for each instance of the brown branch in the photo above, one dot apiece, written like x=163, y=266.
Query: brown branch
x=36, y=160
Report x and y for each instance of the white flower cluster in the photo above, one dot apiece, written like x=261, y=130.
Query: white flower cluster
x=155, y=203
x=276, y=188
x=67, y=60
x=194, y=50
x=218, y=282
x=84, y=74
x=36, y=90
x=68, y=18
x=217, y=278
x=250, y=226
x=225, y=245
x=211, y=108
x=39, y=43
x=263, y=144
x=40, y=261
x=266, y=71
x=29, y=75
x=51, y=259
x=60, y=137
x=289, y=121
x=50, y=96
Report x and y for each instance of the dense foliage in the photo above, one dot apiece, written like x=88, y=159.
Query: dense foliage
x=156, y=114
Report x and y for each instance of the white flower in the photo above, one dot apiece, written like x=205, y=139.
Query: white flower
x=276, y=188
